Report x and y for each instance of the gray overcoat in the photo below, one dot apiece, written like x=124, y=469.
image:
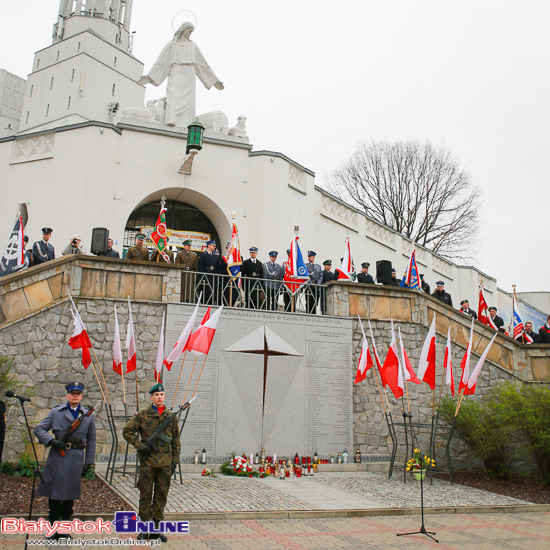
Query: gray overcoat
x=61, y=479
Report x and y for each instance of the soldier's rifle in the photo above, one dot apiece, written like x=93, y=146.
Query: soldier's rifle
x=73, y=427
x=151, y=444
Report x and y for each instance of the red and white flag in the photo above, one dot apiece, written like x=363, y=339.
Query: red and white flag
x=130, y=341
x=346, y=272
x=465, y=363
x=472, y=381
x=160, y=352
x=117, y=350
x=483, y=310
x=201, y=340
x=296, y=273
x=181, y=344
x=376, y=357
x=448, y=364
x=80, y=339
x=410, y=375
x=426, y=363
x=365, y=359
x=392, y=368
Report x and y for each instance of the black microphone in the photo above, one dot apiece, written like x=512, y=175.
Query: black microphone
x=21, y=398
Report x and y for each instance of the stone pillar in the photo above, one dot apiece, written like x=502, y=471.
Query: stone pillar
x=64, y=7
x=128, y=14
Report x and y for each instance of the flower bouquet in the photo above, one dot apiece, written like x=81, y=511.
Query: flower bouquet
x=238, y=466
x=418, y=464
x=208, y=473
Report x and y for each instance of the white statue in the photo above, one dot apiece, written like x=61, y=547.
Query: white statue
x=240, y=129
x=181, y=61
x=215, y=121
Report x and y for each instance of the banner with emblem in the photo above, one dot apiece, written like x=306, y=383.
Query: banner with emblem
x=15, y=258
x=296, y=273
x=158, y=236
x=233, y=258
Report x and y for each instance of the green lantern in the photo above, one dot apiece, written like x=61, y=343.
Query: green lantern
x=195, y=131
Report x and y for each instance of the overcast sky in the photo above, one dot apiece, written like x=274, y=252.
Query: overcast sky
x=316, y=77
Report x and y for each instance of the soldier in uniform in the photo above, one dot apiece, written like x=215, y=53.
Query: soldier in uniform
x=252, y=269
x=189, y=261
x=138, y=252
x=159, y=258
x=210, y=263
x=61, y=479
x=43, y=251
x=364, y=276
x=328, y=275
x=394, y=280
x=544, y=332
x=465, y=308
x=156, y=469
x=425, y=286
x=274, y=272
x=441, y=295
x=315, y=278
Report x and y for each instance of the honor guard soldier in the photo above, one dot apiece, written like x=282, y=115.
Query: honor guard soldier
x=274, y=273
x=252, y=268
x=210, y=264
x=71, y=455
x=441, y=295
x=138, y=253
x=364, y=276
x=315, y=278
x=157, y=459
x=43, y=251
x=328, y=275
x=189, y=261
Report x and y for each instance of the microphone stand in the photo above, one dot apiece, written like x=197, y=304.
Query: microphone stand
x=36, y=469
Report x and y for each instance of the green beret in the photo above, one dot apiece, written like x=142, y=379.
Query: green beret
x=188, y=241
x=156, y=388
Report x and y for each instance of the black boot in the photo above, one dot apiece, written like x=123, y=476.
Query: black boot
x=161, y=536
x=143, y=536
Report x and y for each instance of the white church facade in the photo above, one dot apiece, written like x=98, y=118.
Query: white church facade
x=87, y=153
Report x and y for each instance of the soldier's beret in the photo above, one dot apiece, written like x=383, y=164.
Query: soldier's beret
x=75, y=386
x=156, y=388
x=288, y=251
x=421, y=275
x=273, y=253
x=393, y=269
x=365, y=264
x=140, y=237
x=253, y=249
x=492, y=308
x=464, y=302
x=311, y=253
x=188, y=242
x=210, y=242
x=47, y=230
x=327, y=262
x=440, y=283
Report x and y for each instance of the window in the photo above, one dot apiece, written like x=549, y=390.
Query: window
x=72, y=76
x=113, y=89
x=27, y=118
x=48, y=109
x=37, y=63
x=32, y=88
x=114, y=62
x=78, y=49
x=57, y=55
x=69, y=103
x=51, y=83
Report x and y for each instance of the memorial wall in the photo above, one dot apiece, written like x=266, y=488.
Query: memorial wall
x=271, y=380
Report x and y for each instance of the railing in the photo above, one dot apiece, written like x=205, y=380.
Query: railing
x=252, y=293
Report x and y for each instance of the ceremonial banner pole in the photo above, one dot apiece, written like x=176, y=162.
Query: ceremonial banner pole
x=200, y=374
x=137, y=390
x=123, y=393
x=189, y=381
x=178, y=382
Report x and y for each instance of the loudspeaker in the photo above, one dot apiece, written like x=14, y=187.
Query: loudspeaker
x=383, y=272
x=99, y=240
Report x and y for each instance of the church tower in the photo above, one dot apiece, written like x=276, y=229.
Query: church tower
x=89, y=72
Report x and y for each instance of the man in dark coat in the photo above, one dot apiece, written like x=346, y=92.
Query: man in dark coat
x=61, y=479
x=529, y=336
x=465, y=308
x=274, y=273
x=328, y=275
x=497, y=321
x=441, y=295
x=210, y=263
x=111, y=253
x=544, y=332
x=43, y=251
x=364, y=276
x=424, y=286
x=252, y=269
x=394, y=280
x=156, y=466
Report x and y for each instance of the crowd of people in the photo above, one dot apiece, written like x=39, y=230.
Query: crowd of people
x=262, y=281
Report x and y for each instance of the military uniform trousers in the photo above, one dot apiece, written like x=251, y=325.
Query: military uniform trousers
x=153, y=485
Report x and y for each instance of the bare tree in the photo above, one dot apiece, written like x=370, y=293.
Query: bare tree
x=416, y=189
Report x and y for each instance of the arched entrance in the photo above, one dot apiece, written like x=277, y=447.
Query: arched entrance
x=187, y=211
